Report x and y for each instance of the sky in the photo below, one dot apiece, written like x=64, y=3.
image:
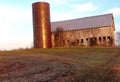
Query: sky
x=16, y=26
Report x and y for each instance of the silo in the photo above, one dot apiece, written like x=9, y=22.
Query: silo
x=41, y=25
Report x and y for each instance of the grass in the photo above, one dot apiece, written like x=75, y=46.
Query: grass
x=89, y=64
x=91, y=56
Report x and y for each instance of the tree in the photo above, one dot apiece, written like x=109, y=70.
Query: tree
x=117, y=38
x=59, y=36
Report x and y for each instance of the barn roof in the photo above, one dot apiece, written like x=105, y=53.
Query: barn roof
x=83, y=23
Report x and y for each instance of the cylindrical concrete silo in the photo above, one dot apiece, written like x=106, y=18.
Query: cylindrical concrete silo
x=41, y=25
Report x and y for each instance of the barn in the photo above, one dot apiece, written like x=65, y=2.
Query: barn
x=88, y=31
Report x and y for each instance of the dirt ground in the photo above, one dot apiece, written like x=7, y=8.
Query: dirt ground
x=42, y=69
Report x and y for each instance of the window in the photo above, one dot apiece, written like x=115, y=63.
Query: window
x=91, y=39
x=104, y=38
x=95, y=38
x=82, y=41
x=99, y=38
x=77, y=40
x=68, y=41
x=86, y=39
x=108, y=37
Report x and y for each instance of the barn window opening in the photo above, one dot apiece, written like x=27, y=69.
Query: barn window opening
x=68, y=40
x=99, y=38
x=77, y=40
x=104, y=38
x=91, y=39
x=95, y=38
x=86, y=39
x=82, y=41
x=108, y=37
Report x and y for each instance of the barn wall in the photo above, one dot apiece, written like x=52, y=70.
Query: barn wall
x=101, y=36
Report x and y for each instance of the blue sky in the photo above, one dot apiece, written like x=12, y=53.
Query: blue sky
x=16, y=30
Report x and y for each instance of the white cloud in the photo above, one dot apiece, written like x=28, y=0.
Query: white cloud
x=11, y=13
x=13, y=17
x=84, y=7
x=58, y=2
x=15, y=24
x=74, y=11
x=58, y=16
x=115, y=11
x=117, y=28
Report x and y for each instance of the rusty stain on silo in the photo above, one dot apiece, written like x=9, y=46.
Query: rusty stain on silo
x=41, y=25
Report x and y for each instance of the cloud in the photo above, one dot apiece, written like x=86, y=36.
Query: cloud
x=13, y=14
x=117, y=27
x=73, y=11
x=58, y=16
x=14, y=18
x=115, y=11
x=82, y=8
x=58, y=2
x=15, y=24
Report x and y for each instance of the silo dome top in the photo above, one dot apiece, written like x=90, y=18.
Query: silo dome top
x=40, y=3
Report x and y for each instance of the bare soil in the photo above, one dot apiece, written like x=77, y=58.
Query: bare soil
x=44, y=69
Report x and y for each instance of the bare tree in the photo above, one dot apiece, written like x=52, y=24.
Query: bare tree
x=118, y=37
x=59, y=36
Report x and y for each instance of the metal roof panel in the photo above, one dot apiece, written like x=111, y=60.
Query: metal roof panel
x=83, y=23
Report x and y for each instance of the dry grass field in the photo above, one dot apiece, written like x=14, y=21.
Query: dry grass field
x=60, y=65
